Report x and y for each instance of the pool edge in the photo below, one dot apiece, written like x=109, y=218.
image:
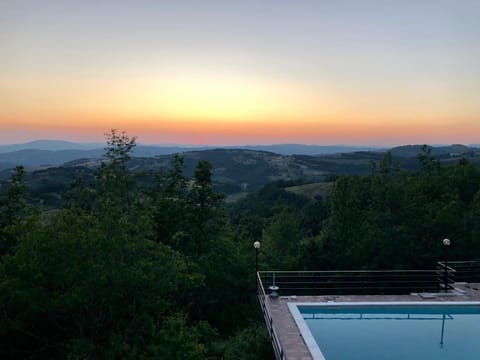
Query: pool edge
x=305, y=332
x=308, y=338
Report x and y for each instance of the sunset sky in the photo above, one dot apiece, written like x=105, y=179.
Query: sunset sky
x=241, y=72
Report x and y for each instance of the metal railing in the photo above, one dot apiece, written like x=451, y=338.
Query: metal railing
x=446, y=275
x=466, y=271
x=262, y=298
x=351, y=282
x=357, y=282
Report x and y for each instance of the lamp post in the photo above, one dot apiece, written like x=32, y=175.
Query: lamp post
x=256, y=245
x=446, y=244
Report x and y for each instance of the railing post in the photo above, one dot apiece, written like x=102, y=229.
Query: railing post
x=446, y=277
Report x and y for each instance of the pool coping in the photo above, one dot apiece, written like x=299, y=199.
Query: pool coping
x=308, y=338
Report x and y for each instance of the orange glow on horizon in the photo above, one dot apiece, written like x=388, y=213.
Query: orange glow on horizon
x=223, y=132
x=225, y=108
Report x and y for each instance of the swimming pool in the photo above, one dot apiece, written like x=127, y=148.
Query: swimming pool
x=390, y=331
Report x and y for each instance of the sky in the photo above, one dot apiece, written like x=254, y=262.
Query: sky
x=221, y=72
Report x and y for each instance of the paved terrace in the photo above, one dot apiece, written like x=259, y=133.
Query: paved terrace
x=291, y=340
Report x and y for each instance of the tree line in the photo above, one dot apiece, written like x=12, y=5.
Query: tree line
x=389, y=219
x=126, y=271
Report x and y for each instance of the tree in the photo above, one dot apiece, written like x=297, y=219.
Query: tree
x=115, y=183
x=90, y=282
x=176, y=340
x=16, y=214
x=281, y=240
x=206, y=215
x=170, y=204
x=250, y=343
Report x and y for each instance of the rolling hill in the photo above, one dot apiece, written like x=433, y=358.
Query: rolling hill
x=45, y=153
x=235, y=171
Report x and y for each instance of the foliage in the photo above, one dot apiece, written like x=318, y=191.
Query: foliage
x=252, y=342
x=91, y=283
x=17, y=216
x=388, y=220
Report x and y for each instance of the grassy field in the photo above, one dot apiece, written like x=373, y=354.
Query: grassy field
x=311, y=190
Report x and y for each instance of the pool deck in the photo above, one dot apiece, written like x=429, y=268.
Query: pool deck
x=292, y=341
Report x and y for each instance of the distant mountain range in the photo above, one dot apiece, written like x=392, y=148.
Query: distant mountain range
x=47, y=153
x=235, y=171
x=152, y=150
x=51, y=145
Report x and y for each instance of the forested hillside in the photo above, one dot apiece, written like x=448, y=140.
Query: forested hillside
x=164, y=268
x=235, y=172
x=124, y=271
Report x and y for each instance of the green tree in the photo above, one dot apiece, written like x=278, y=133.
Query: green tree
x=175, y=339
x=206, y=215
x=115, y=182
x=249, y=343
x=92, y=282
x=170, y=204
x=17, y=216
x=281, y=240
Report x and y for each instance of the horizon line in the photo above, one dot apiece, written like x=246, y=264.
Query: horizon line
x=243, y=144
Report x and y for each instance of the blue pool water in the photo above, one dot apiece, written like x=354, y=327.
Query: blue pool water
x=395, y=332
